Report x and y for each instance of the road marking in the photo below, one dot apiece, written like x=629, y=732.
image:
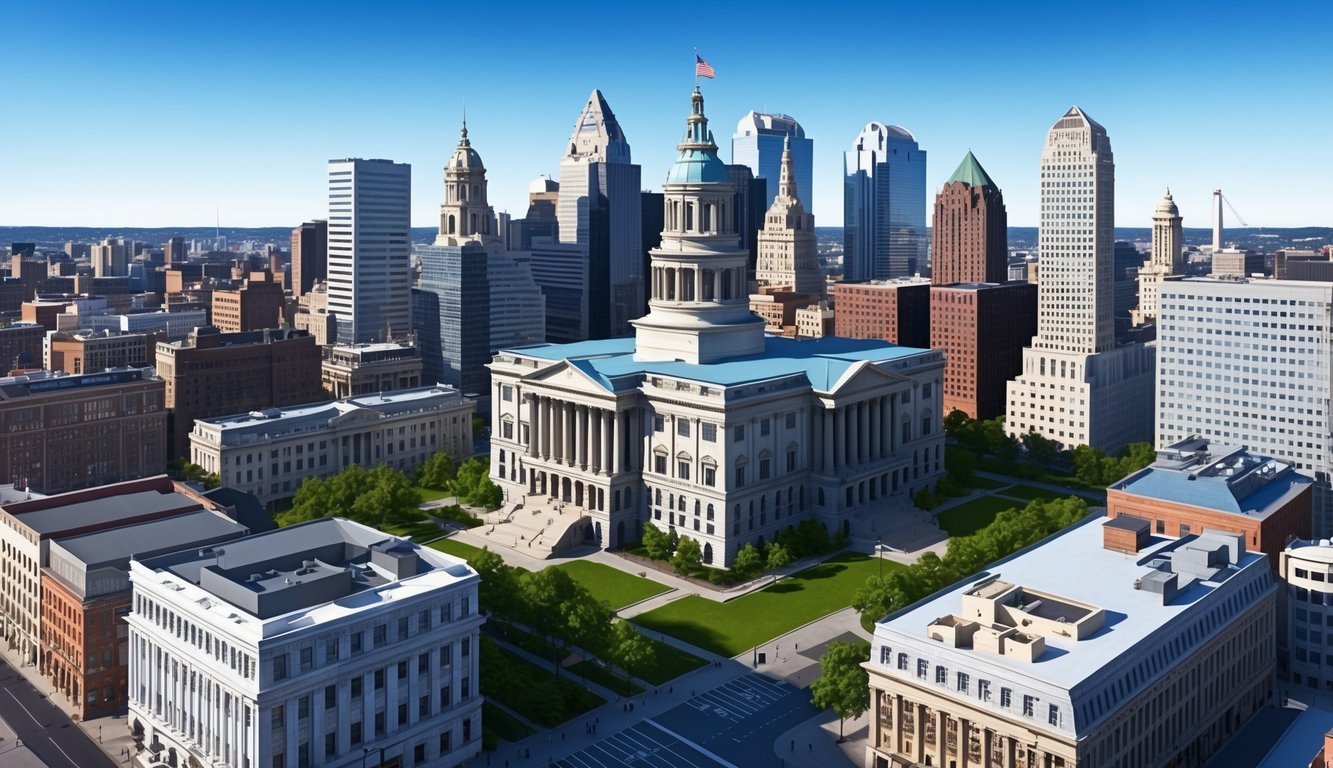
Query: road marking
x=684, y=740
x=28, y=711
x=63, y=752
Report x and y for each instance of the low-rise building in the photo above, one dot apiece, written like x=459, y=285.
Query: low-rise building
x=362, y=369
x=1306, y=568
x=1195, y=486
x=85, y=596
x=253, y=306
x=177, y=324
x=58, y=432
x=269, y=452
x=21, y=346
x=316, y=644
x=93, y=351
x=896, y=311
x=1101, y=646
x=814, y=322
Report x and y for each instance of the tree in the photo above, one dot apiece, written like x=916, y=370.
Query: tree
x=747, y=562
x=630, y=650
x=778, y=558
x=375, y=497
x=543, y=593
x=1040, y=448
x=472, y=484
x=954, y=421
x=437, y=472
x=844, y=686
x=586, y=622
x=960, y=464
x=655, y=542
x=499, y=589
x=689, y=556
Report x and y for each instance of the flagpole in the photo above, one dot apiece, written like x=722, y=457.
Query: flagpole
x=696, y=67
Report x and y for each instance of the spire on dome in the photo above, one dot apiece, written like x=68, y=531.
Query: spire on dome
x=697, y=162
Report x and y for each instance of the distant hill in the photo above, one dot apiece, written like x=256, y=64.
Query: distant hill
x=1254, y=238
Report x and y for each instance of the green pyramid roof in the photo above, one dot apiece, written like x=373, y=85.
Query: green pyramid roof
x=971, y=173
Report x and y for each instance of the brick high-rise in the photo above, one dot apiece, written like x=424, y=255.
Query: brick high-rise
x=982, y=328
x=310, y=256
x=969, y=239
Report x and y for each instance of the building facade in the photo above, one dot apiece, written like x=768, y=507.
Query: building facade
x=884, y=205
x=310, y=256
x=176, y=324
x=58, y=433
x=93, y=351
x=598, y=211
x=787, y=253
x=897, y=311
x=475, y=295
x=258, y=303
x=1230, y=373
x=370, y=248
x=1237, y=263
x=1166, y=262
x=1070, y=654
x=702, y=425
x=317, y=644
x=212, y=374
x=1306, y=569
x=363, y=369
x=970, y=231
x=759, y=142
x=982, y=328
x=267, y=453
x=85, y=593
x=1077, y=386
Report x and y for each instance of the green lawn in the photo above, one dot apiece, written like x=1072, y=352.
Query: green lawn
x=730, y=628
x=611, y=586
x=985, y=483
x=1032, y=493
x=531, y=691
x=430, y=494
x=967, y=519
x=669, y=663
x=420, y=530
x=456, y=547
x=502, y=724
x=590, y=670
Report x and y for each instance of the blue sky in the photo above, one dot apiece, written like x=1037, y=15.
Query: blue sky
x=154, y=114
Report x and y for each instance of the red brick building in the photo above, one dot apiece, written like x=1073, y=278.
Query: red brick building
x=1195, y=486
x=310, y=256
x=896, y=311
x=982, y=328
x=257, y=304
x=969, y=234
x=211, y=373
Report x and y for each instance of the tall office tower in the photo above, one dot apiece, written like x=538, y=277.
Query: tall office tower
x=475, y=296
x=1227, y=374
x=787, y=254
x=759, y=143
x=970, y=233
x=109, y=259
x=370, y=248
x=1077, y=387
x=884, y=205
x=1125, y=263
x=598, y=210
x=1164, y=262
x=173, y=250
x=310, y=256
x=747, y=217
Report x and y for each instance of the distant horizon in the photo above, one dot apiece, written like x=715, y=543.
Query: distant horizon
x=261, y=95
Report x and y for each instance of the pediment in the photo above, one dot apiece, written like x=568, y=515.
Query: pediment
x=570, y=375
x=865, y=376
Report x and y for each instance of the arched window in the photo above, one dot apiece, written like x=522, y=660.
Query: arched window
x=451, y=224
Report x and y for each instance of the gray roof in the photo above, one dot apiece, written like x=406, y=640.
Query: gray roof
x=108, y=509
x=1226, y=479
x=169, y=534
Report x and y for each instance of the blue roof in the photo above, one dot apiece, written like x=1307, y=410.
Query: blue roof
x=1256, y=497
x=822, y=361
x=697, y=166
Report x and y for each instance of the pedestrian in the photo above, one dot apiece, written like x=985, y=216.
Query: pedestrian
x=809, y=746
x=793, y=746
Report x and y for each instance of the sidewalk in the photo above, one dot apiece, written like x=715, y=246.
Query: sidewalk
x=13, y=754
x=112, y=734
x=1096, y=496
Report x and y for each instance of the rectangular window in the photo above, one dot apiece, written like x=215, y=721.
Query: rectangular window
x=791, y=421
x=303, y=708
x=1029, y=706
x=983, y=690
x=740, y=476
x=331, y=651
x=941, y=675
x=902, y=661
x=922, y=668
x=710, y=476
x=659, y=464
x=708, y=432
x=964, y=682
x=356, y=643
x=659, y=424
x=738, y=433
x=682, y=427
x=356, y=686
x=381, y=634
x=330, y=696
x=1006, y=698
x=379, y=679
x=355, y=732
x=1054, y=715
x=683, y=470
x=885, y=653
x=307, y=659
x=277, y=718
x=763, y=427
x=280, y=667
x=444, y=743
x=507, y=393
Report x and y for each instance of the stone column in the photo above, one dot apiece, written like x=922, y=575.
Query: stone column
x=839, y=438
x=919, y=734
x=941, y=737
x=863, y=431
x=826, y=423
x=608, y=448
x=595, y=441
x=532, y=427
x=964, y=742
x=580, y=437
x=571, y=434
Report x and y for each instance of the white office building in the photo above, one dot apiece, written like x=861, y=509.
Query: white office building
x=1247, y=362
x=701, y=424
x=1077, y=387
x=1103, y=645
x=268, y=453
x=176, y=325
x=320, y=644
x=370, y=249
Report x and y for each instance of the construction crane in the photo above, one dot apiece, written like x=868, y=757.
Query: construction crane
x=1233, y=210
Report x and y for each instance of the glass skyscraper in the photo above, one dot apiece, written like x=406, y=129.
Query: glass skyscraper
x=757, y=144
x=884, y=205
x=370, y=247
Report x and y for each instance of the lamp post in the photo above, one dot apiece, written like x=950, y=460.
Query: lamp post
x=879, y=553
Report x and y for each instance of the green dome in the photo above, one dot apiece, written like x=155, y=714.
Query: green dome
x=698, y=162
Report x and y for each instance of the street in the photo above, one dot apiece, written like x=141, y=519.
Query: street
x=43, y=727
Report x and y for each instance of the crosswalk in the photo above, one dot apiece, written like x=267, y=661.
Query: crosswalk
x=742, y=697
x=640, y=746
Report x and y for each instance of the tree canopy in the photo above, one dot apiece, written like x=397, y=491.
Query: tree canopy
x=844, y=686
x=374, y=497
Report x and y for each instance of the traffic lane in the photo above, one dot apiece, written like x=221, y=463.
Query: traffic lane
x=44, y=728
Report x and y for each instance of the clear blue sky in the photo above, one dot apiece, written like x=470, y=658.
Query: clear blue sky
x=153, y=114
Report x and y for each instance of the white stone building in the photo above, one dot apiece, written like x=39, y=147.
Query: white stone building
x=1166, y=262
x=1077, y=387
x=1250, y=362
x=1101, y=646
x=700, y=423
x=268, y=453
x=313, y=645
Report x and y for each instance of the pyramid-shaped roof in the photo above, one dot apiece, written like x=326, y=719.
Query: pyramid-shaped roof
x=971, y=173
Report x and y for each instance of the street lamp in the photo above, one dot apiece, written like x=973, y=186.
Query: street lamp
x=879, y=553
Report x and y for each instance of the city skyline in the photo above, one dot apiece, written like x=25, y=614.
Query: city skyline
x=252, y=126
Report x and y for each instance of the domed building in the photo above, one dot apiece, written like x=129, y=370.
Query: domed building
x=702, y=424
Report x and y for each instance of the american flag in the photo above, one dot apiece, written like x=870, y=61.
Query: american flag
x=703, y=68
